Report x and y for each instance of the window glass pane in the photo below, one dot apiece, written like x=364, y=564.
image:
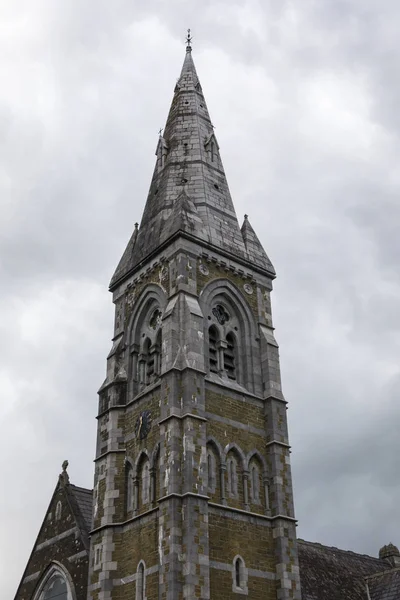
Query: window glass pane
x=56, y=589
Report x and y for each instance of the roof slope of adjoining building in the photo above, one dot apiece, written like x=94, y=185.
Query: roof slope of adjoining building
x=385, y=586
x=331, y=574
x=84, y=499
x=326, y=573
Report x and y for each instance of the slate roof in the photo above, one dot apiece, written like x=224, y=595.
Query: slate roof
x=84, y=499
x=385, y=586
x=189, y=193
x=328, y=573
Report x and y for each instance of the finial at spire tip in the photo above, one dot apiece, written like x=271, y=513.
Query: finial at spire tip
x=246, y=217
x=189, y=40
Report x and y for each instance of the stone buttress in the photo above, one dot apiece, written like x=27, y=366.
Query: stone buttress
x=192, y=492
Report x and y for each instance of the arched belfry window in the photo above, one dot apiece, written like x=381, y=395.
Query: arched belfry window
x=222, y=344
x=147, y=349
x=230, y=334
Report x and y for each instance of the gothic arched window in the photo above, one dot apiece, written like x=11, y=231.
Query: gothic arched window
x=54, y=586
x=239, y=576
x=146, y=347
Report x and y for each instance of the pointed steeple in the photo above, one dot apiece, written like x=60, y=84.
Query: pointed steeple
x=189, y=193
x=255, y=251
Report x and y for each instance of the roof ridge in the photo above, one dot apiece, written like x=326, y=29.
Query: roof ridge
x=78, y=487
x=337, y=549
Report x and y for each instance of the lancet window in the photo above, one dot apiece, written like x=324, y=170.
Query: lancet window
x=140, y=581
x=239, y=576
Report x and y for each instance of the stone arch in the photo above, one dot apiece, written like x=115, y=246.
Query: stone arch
x=254, y=458
x=55, y=570
x=155, y=455
x=255, y=453
x=143, y=481
x=143, y=455
x=214, y=469
x=235, y=463
x=234, y=446
x=218, y=448
x=241, y=324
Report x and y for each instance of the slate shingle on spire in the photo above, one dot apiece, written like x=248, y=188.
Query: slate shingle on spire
x=255, y=250
x=189, y=192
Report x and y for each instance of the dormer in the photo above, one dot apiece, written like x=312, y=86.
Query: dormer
x=161, y=152
x=212, y=148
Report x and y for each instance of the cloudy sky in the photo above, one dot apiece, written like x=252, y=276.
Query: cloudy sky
x=305, y=98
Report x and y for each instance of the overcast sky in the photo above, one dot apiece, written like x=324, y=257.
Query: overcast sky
x=305, y=99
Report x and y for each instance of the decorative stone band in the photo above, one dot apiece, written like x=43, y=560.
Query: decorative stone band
x=31, y=577
x=57, y=538
x=134, y=576
x=143, y=515
x=116, y=451
x=278, y=443
x=214, y=564
x=247, y=513
x=184, y=416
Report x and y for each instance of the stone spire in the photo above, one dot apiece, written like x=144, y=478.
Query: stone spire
x=189, y=193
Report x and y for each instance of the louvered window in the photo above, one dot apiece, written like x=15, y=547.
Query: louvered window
x=212, y=349
x=229, y=357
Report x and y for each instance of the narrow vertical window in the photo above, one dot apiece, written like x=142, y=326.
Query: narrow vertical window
x=159, y=353
x=129, y=489
x=212, y=349
x=209, y=467
x=212, y=151
x=237, y=572
x=232, y=479
x=140, y=582
x=146, y=483
x=239, y=576
x=58, y=510
x=150, y=360
x=255, y=484
x=229, y=357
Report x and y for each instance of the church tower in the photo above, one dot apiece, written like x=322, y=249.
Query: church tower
x=192, y=492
